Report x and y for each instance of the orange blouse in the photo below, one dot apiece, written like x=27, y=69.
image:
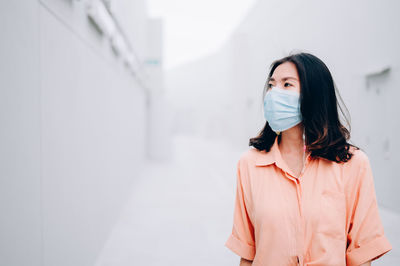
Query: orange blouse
x=326, y=216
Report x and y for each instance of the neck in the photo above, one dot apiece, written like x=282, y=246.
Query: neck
x=292, y=140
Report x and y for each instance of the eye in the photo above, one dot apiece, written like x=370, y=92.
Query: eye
x=269, y=85
x=287, y=83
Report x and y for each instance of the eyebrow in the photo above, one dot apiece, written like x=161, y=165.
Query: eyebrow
x=285, y=78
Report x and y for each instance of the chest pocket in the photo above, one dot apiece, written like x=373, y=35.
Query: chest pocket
x=332, y=218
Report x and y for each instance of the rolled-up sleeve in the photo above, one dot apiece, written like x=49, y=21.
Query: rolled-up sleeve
x=241, y=241
x=365, y=239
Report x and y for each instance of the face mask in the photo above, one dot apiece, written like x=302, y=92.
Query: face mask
x=282, y=109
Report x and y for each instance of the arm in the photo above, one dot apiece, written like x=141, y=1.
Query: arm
x=244, y=262
x=366, y=240
x=242, y=238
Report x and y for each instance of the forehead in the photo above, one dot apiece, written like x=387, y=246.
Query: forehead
x=284, y=70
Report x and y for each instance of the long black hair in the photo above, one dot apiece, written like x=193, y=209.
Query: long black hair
x=325, y=136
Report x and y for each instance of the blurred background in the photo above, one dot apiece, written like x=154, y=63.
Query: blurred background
x=122, y=120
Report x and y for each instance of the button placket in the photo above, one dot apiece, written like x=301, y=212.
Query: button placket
x=299, y=196
x=301, y=221
x=300, y=225
x=301, y=218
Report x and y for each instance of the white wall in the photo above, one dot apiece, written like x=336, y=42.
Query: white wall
x=20, y=223
x=352, y=38
x=73, y=122
x=159, y=115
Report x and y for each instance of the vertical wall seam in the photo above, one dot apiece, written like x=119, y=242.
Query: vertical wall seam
x=39, y=73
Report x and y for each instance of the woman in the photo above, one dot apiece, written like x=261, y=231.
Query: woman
x=305, y=196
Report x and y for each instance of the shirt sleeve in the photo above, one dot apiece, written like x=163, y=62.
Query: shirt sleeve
x=365, y=239
x=241, y=241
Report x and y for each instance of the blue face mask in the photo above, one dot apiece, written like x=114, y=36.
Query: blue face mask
x=282, y=109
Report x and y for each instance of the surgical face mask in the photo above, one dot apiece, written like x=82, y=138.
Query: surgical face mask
x=282, y=109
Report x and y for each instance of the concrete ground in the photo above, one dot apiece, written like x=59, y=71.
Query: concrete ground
x=181, y=212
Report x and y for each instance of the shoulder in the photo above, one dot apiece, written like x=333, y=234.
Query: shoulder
x=250, y=157
x=358, y=159
x=246, y=166
x=358, y=168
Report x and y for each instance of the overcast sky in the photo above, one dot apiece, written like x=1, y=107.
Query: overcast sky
x=196, y=28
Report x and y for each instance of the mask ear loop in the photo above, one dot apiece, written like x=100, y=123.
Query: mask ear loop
x=304, y=150
x=304, y=147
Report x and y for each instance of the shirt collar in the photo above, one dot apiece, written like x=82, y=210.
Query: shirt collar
x=274, y=156
x=266, y=158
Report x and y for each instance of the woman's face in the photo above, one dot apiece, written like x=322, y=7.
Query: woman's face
x=285, y=77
